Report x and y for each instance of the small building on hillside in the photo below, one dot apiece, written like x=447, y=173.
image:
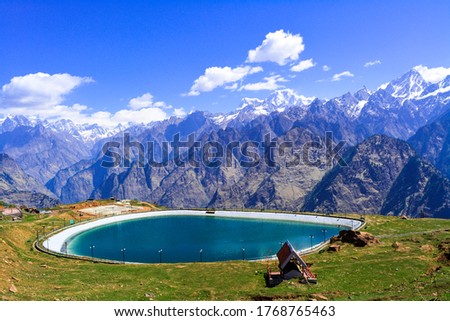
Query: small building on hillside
x=291, y=265
x=13, y=212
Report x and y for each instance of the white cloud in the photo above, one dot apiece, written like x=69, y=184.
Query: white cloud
x=279, y=47
x=42, y=95
x=338, y=77
x=303, y=65
x=123, y=116
x=433, y=75
x=219, y=76
x=104, y=118
x=325, y=68
x=100, y=117
x=161, y=104
x=179, y=112
x=79, y=107
x=146, y=100
x=232, y=86
x=372, y=63
x=144, y=115
x=269, y=83
x=39, y=89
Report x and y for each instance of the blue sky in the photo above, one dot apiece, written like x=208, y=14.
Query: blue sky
x=95, y=57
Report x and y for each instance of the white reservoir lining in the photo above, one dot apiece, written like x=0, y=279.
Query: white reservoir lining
x=56, y=242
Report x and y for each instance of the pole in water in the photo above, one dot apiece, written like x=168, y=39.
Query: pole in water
x=324, y=231
x=160, y=255
x=243, y=254
x=123, y=254
x=92, y=251
x=201, y=255
x=311, y=236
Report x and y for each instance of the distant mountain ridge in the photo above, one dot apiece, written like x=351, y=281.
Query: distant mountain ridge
x=86, y=133
x=408, y=96
x=432, y=142
x=67, y=156
x=40, y=151
x=17, y=187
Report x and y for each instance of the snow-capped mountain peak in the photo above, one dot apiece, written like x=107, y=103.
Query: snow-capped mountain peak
x=282, y=98
x=13, y=121
x=352, y=104
x=363, y=94
x=250, y=108
x=409, y=86
x=410, y=92
x=64, y=125
x=277, y=101
x=288, y=97
x=441, y=87
x=87, y=133
x=252, y=102
x=94, y=132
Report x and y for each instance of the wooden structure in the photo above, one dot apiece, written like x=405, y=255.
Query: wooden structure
x=14, y=213
x=291, y=265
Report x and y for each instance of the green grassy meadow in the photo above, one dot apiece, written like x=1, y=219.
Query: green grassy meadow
x=378, y=272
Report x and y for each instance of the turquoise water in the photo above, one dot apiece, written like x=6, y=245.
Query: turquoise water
x=194, y=239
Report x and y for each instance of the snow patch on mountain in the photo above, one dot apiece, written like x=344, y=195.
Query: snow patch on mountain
x=10, y=122
x=224, y=119
x=355, y=110
x=276, y=102
x=383, y=86
x=433, y=75
x=438, y=91
x=409, y=86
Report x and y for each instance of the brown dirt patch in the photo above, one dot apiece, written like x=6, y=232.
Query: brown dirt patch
x=427, y=248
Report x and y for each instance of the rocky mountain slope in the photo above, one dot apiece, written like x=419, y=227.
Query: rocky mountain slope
x=228, y=185
x=68, y=157
x=383, y=176
x=17, y=187
x=419, y=191
x=41, y=151
x=432, y=142
x=362, y=186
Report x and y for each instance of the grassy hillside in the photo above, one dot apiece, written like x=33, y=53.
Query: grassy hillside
x=379, y=272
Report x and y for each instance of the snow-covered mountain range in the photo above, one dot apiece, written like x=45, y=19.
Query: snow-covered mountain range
x=87, y=133
x=66, y=156
x=409, y=93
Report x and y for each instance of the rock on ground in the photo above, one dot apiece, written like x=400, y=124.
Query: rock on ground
x=357, y=238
